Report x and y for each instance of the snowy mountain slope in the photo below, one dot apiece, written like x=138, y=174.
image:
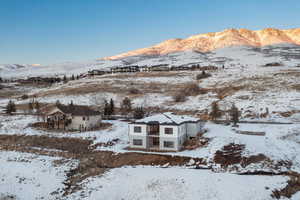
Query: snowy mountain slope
x=242, y=55
x=212, y=41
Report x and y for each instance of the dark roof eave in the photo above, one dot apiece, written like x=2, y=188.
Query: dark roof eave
x=146, y=123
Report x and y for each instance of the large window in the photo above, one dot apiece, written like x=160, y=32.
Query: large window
x=137, y=142
x=137, y=129
x=169, y=131
x=168, y=144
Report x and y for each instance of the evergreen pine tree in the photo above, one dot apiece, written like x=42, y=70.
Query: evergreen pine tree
x=57, y=102
x=30, y=107
x=10, y=107
x=139, y=113
x=111, y=107
x=126, y=106
x=65, y=79
x=106, y=108
x=37, y=109
x=234, y=114
x=215, y=111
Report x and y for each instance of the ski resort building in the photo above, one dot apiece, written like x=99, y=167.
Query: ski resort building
x=165, y=132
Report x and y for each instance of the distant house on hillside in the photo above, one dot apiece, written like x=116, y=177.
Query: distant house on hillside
x=72, y=117
x=98, y=72
x=164, y=131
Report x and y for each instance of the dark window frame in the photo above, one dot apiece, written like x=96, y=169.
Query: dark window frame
x=137, y=142
x=169, y=131
x=137, y=127
x=170, y=145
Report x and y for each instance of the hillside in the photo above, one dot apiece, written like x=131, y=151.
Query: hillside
x=216, y=40
x=288, y=54
x=259, y=156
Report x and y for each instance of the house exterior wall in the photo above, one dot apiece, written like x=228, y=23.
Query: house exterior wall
x=143, y=131
x=194, y=128
x=138, y=136
x=180, y=134
x=79, y=124
x=169, y=137
x=93, y=121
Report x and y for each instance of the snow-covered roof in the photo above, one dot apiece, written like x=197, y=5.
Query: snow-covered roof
x=167, y=118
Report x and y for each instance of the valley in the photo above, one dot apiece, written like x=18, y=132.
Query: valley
x=263, y=150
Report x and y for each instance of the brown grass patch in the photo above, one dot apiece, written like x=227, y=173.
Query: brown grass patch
x=189, y=89
x=292, y=187
x=231, y=154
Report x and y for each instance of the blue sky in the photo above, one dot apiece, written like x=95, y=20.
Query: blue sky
x=52, y=31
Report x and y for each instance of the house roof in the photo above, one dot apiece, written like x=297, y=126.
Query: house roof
x=76, y=110
x=167, y=118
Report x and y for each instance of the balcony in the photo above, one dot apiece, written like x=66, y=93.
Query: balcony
x=153, y=130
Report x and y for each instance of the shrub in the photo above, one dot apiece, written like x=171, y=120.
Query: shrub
x=234, y=114
x=190, y=89
x=203, y=75
x=179, y=97
x=274, y=64
x=134, y=91
x=215, y=111
x=139, y=113
x=126, y=105
x=25, y=96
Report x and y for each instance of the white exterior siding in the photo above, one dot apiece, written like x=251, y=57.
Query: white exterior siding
x=183, y=127
x=89, y=122
x=193, y=129
x=143, y=129
x=162, y=131
x=169, y=137
x=93, y=121
x=77, y=122
x=138, y=136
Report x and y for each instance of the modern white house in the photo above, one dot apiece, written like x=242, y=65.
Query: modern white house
x=72, y=117
x=165, y=131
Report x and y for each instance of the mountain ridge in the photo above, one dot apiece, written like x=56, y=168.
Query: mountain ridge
x=214, y=40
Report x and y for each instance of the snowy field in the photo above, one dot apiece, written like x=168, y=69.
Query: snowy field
x=27, y=176
x=150, y=183
x=280, y=142
x=18, y=125
x=261, y=88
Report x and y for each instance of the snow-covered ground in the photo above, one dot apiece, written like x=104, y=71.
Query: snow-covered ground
x=18, y=125
x=242, y=55
x=280, y=142
x=28, y=176
x=272, y=88
x=149, y=183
